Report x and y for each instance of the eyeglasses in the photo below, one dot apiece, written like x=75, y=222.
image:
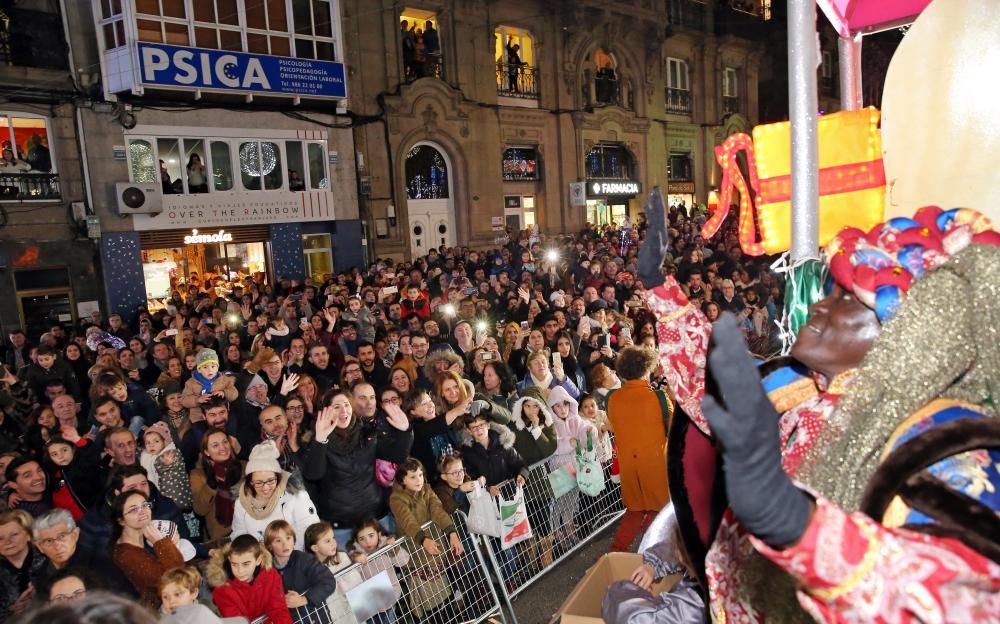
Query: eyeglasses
x=456, y=473
x=138, y=508
x=80, y=593
x=265, y=483
x=49, y=541
x=295, y=408
x=479, y=427
x=392, y=399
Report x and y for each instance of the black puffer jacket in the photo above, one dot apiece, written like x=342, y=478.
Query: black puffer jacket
x=345, y=470
x=498, y=462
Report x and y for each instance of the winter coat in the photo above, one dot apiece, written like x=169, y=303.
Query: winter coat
x=294, y=506
x=568, y=429
x=78, y=476
x=10, y=586
x=498, y=462
x=566, y=384
x=37, y=378
x=414, y=509
x=144, y=568
x=138, y=403
x=452, y=499
x=639, y=417
x=193, y=390
x=533, y=443
x=203, y=493
x=305, y=575
x=264, y=595
x=173, y=479
x=345, y=470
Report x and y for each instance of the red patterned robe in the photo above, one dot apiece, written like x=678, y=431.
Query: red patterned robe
x=849, y=568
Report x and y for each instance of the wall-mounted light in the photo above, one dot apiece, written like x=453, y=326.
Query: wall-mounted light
x=390, y=213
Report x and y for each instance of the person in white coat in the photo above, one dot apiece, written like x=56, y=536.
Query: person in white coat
x=269, y=493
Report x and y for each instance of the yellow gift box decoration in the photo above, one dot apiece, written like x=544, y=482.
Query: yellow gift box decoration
x=851, y=180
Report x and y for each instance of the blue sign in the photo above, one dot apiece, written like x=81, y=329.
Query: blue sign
x=198, y=68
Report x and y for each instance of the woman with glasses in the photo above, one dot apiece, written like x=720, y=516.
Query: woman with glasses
x=20, y=564
x=134, y=530
x=270, y=493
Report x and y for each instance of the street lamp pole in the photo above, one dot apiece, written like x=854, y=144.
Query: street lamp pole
x=803, y=104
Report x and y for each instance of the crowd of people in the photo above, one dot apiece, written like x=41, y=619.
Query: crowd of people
x=300, y=419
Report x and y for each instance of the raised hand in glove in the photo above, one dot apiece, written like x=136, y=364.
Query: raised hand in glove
x=761, y=495
x=478, y=406
x=654, y=250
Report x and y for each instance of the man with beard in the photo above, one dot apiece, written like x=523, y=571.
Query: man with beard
x=320, y=368
x=372, y=367
x=216, y=415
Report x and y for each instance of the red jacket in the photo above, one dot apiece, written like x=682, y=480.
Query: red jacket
x=265, y=595
x=421, y=307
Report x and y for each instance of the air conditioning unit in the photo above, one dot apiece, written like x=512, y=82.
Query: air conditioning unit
x=138, y=198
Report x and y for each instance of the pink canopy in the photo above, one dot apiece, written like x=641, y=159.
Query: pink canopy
x=850, y=17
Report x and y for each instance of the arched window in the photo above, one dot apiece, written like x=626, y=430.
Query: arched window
x=426, y=173
x=610, y=160
x=606, y=89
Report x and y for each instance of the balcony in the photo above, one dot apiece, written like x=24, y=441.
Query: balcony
x=730, y=105
x=32, y=39
x=518, y=81
x=29, y=187
x=431, y=67
x=678, y=101
x=688, y=13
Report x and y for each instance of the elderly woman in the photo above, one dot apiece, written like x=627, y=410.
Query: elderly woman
x=545, y=378
x=20, y=564
x=215, y=482
x=270, y=493
x=134, y=531
x=343, y=458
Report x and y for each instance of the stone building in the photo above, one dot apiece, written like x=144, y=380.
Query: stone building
x=482, y=115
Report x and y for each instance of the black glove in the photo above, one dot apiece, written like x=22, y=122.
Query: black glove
x=762, y=496
x=654, y=250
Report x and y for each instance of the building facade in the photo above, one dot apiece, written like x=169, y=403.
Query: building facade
x=220, y=143
x=550, y=113
x=48, y=266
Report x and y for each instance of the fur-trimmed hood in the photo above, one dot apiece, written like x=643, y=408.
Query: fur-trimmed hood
x=504, y=432
x=215, y=570
x=441, y=355
x=518, y=419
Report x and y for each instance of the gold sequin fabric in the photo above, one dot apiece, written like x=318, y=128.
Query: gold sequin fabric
x=944, y=341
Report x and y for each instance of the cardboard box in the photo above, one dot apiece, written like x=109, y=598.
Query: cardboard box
x=583, y=606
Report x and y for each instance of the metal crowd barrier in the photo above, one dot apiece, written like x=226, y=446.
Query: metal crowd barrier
x=559, y=526
x=401, y=584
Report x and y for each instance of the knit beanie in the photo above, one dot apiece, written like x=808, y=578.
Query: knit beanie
x=162, y=430
x=207, y=356
x=264, y=458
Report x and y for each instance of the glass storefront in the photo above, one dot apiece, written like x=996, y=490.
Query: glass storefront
x=174, y=268
x=604, y=211
x=318, y=255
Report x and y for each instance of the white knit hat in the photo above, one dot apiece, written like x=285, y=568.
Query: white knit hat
x=264, y=458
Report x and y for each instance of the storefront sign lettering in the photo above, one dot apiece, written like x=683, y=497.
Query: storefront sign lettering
x=213, y=211
x=195, y=238
x=625, y=187
x=198, y=68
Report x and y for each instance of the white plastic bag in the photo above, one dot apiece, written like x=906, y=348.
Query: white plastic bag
x=514, y=526
x=484, y=516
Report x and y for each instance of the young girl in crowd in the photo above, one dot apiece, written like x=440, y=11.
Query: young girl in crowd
x=179, y=595
x=598, y=419
x=206, y=382
x=164, y=466
x=369, y=537
x=71, y=470
x=322, y=543
x=308, y=583
x=173, y=411
x=245, y=583
x=453, y=487
x=571, y=432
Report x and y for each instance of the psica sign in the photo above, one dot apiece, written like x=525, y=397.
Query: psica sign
x=197, y=68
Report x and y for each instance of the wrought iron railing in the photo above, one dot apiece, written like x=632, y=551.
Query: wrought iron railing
x=678, y=101
x=29, y=186
x=520, y=81
x=432, y=66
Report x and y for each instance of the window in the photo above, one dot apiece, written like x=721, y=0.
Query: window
x=316, y=251
x=195, y=165
x=112, y=24
x=678, y=89
x=426, y=174
x=420, y=42
x=302, y=28
x=609, y=160
x=730, y=91
x=517, y=73
x=827, y=64
x=606, y=89
x=260, y=165
x=680, y=167
x=521, y=163
x=28, y=165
